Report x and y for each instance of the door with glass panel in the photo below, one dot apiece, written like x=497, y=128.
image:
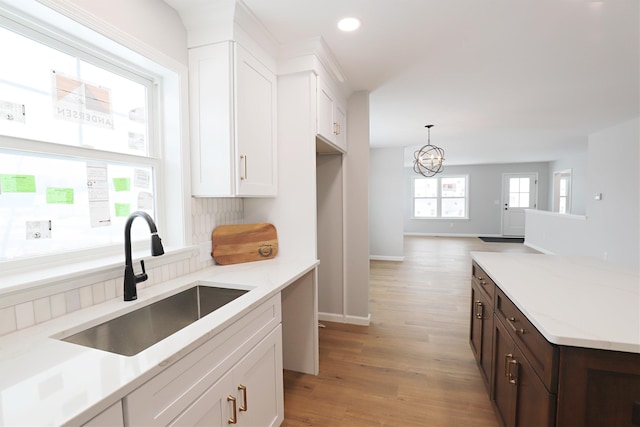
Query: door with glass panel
x=519, y=192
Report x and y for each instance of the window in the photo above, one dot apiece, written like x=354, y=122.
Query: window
x=78, y=146
x=440, y=197
x=519, y=192
x=562, y=191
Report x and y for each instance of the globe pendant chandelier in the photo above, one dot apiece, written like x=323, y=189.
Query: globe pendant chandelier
x=428, y=160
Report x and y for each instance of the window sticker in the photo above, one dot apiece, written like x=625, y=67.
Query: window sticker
x=137, y=141
x=18, y=183
x=81, y=102
x=137, y=115
x=123, y=209
x=145, y=200
x=38, y=230
x=141, y=178
x=12, y=112
x=98, y=194
x=62, y=196
x=122, y=184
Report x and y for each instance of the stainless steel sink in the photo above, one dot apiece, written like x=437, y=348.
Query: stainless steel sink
x=133, y=332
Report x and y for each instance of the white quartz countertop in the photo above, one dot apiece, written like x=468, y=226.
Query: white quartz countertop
x=571, y=300
x=45, y=381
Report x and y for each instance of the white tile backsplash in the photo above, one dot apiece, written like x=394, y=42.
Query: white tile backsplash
x=99, y=294
x=42, y=309
x=58, y=305
x=72, y=300
x=8, y=320
x=207, y=213
x=25, y=316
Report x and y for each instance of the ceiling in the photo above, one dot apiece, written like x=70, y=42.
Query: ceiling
x=500, y=80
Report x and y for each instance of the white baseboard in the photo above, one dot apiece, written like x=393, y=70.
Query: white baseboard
x=341, y=318
x=451, y=235
x=385, y=258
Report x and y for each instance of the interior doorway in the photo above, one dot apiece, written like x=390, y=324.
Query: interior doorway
x=519, y=192
x=562, y=191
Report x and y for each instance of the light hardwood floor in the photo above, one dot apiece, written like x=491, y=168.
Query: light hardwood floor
x=412, y=366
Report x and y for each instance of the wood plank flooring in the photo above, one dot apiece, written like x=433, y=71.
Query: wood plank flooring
x=413, y=365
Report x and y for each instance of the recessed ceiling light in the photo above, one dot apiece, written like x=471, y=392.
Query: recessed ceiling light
x=349, y=24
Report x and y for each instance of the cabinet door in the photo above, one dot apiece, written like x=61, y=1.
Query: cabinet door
x=481, y=333
x=255, y=126
x=210, y=114
x=259, y=385
x=521, y=398
x=340, y=126
x=535, y=406
x=325, y=123
x=213, y=409
x=111, y=417
x=598, y=388
x=504, y=375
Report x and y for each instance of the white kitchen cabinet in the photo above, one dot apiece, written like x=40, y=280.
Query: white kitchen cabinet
x=233, y=123
x=247, y=395
x=331, y=116
x=199, y=388
x=110, y=417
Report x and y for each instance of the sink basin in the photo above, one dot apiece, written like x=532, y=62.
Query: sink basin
x=133, y=332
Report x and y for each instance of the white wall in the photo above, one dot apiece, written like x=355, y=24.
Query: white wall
x=611, y=229
x=485, y=200
x=330, y=233
x=386, y=198
x=614, y=171
x=152, y=22
x=356, y=170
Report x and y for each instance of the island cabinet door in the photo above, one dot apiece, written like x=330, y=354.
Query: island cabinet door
x=598, y=388
x=481, y=333
x=520, y=397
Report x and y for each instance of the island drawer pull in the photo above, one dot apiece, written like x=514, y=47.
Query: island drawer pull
x=479, y=309
x=510, y=321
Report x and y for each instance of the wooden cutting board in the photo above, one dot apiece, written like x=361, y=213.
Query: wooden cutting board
x=238, y=243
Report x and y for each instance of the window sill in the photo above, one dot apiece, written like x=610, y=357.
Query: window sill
x=39, y=283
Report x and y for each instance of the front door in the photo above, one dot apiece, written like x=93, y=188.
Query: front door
x=519, y=192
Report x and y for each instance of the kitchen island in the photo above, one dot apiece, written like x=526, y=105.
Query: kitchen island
x=557, y=338
x=46, y=381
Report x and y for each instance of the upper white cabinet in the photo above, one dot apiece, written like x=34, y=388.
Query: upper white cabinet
x=233, y=122
x=331, y=116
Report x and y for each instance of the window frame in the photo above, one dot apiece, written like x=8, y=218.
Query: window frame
x=439, y=198
x=102, y=42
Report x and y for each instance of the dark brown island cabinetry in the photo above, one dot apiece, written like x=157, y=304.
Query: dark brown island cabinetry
x=481, y=338
x=533, y=382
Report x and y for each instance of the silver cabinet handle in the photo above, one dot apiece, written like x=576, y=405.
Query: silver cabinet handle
x=245, y=175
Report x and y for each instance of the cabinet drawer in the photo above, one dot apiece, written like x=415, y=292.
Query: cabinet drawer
x=542, y=355
x=484, y=282
x=162, y=398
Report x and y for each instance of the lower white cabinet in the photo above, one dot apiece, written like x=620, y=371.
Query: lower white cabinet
x=110, y=417
x=247, y=395
x=235, y=378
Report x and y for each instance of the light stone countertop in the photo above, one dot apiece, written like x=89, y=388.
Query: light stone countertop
x=45, y=381
x=572, y=300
